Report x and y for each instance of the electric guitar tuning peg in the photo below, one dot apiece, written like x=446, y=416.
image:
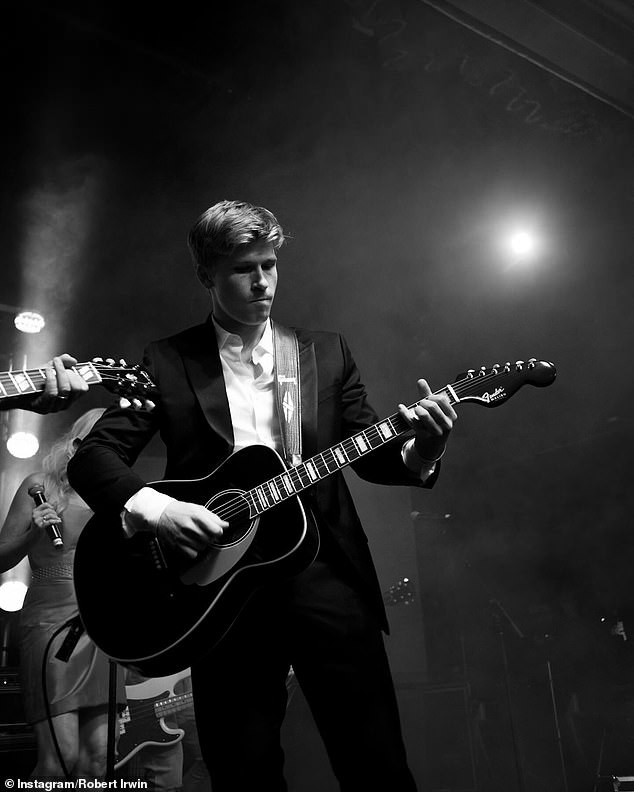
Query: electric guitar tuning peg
x=149, y=405
x=124, y=403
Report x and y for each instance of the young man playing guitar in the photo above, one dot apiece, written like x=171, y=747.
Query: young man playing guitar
x=216, y=395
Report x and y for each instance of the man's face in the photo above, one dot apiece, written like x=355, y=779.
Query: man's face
x=243, y=286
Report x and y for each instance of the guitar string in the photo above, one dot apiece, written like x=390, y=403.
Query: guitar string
x=239, y=504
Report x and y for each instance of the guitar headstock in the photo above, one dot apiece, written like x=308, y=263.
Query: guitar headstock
x=494, y=385
x=131, y=383
x=401, y=593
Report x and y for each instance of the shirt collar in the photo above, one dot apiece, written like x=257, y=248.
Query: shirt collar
x=232, y=343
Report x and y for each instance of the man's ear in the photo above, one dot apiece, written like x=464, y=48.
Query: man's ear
x=204, y=276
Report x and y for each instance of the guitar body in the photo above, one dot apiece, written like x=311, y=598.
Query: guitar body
x=141, y=723
x=160, y=613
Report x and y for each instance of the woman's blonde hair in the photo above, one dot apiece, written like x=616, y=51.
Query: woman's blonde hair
x=54, y=464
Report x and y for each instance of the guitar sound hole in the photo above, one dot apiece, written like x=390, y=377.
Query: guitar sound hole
x=232, y=507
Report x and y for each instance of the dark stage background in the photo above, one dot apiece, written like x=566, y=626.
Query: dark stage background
x=397, y=147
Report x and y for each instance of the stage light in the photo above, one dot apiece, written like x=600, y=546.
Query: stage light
x=522, y=243
x=29, y=322
x=23, y=445
x=12, y=594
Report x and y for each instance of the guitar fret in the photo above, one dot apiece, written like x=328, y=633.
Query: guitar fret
x=321, y=465
x=452, y=394
x=88, y=372
x=253, y=509
x=312, y=472
x=339, y=452
x=386, y=430
x=324, y=456
x=18, y=382
x=302, y=474
x=374, y=437
x=268, y=492
x=360, y=443
x=350, y=449
x=260, y=493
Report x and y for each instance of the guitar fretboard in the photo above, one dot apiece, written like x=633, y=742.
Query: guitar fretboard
x=475, y=385
x=172, y=704
x=299, y=478
x=23, y=381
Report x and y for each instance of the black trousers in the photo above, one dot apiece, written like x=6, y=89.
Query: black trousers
x=318, y=623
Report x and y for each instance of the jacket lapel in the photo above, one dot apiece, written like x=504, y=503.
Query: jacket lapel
x=201, y=359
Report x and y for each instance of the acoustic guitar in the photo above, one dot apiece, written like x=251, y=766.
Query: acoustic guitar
x=146, y=610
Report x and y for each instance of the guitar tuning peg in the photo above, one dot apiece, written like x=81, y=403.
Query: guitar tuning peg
x=519, y=364
x=122, y=362
x=137, y=404
x=97, y=360
x=149, y=405
x=482, y=371
x=532, y=362
x=495, y=367
x=110, y=361
x=471, y=373
x=124, y=403
x=507, y=366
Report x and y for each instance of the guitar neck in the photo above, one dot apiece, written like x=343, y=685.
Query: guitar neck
x=172, y=704
x=299, y=478
x=488, y=387
x=27, y=381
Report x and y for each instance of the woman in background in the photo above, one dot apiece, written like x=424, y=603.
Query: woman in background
x=77, y=689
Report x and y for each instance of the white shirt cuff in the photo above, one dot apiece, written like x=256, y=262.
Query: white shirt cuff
x=143, y=510
x=414, y=462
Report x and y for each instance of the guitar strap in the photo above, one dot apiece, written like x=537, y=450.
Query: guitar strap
x=288, y=391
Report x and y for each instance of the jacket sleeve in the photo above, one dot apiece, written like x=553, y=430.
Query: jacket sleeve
x=101, y=468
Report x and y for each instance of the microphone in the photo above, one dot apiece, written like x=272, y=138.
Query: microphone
x=52, y=529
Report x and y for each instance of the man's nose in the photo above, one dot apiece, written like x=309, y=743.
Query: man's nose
x=259, y=279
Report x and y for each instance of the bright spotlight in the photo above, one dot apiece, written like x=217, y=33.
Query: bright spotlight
x=29, y=322
x=12, y=595
x=522, y=243
x=23, y=445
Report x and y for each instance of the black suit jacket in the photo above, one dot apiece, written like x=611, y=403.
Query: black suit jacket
x=193, y=418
